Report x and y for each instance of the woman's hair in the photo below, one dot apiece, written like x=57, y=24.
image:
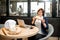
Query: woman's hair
x=42, y=11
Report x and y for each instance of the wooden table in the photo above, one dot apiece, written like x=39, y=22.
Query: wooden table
x=24, y=33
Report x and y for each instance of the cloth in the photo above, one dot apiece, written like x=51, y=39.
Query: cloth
x=36, y=37
x=38, y=23
x=42, y=30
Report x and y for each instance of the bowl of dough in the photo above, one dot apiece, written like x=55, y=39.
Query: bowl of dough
x=10, y=25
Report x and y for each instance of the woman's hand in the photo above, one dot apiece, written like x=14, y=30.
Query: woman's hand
x=44, y=25
x=33, y=19
x=43, y=22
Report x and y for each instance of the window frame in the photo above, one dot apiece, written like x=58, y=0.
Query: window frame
x=29, y=8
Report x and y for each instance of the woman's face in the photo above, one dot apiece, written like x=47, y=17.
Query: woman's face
x=40, y=13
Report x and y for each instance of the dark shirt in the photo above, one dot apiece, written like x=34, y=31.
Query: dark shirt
x=45, y=29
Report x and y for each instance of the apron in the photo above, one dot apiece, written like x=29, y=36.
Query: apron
x=38, y=24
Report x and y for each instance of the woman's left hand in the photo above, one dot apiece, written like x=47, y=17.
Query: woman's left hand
x=43, y=21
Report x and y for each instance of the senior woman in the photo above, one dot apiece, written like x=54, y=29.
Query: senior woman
x=42, y=23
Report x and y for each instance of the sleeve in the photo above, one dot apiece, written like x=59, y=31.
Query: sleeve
x=46, y=21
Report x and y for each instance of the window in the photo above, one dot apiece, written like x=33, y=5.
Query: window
x=46, y=5
x=48, y=9
x=18, y=8
x=24, y=8
x=35, y=6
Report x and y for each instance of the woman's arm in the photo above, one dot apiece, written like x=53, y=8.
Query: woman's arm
x=45, y=22
x=33, y=20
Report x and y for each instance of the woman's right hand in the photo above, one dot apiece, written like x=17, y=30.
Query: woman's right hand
x=33, y=19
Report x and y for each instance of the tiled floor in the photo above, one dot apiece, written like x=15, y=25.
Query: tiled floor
x=50, y=38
